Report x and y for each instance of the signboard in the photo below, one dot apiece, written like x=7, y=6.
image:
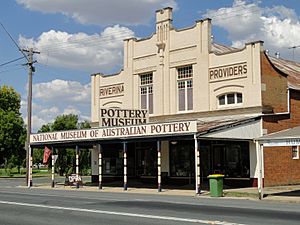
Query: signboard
x=73, y=179
x=228, y=72
x=111, y=90
x=171, y=128
x=281, y=142
x=111, y=117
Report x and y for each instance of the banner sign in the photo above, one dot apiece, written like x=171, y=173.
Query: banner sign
x=281, y=142
x=111, y=117
x=171, y=128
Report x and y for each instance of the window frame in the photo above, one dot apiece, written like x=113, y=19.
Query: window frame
x=295, y=149
x=184, y=75
x=146, y=84
x=235, y=100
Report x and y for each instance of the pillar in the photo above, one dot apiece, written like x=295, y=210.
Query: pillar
x=197, y=166
x=77, y=166
x=99, y=147
x=125, y=165
x=30, y=167
x=53, y=168
x=260, y=171
x=158, y=166
x=95, y=164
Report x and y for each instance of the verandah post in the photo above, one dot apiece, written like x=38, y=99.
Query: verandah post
x=158, y=166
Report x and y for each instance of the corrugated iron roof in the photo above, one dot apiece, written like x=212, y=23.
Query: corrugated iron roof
x=209, y=126
x=290, y=133
x=222, y=49
x=291, y=68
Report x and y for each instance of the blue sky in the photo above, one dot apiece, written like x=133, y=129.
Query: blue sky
x=79, y=37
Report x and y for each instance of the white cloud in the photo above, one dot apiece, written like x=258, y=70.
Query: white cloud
x=71, y=110
x=278, y=26
x=57, y=97
x=61, y=91
x=101, y=12
x=97, y=52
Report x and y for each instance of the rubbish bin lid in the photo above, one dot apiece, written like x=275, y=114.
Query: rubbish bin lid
x=215, y=175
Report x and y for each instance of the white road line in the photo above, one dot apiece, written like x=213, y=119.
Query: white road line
x=178, y=219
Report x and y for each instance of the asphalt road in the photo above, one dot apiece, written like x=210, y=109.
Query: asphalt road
x=42, y=207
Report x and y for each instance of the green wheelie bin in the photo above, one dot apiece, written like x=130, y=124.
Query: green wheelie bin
x=216, y=185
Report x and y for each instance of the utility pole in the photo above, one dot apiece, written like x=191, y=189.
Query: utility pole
x=294, y=47
x=31, y=70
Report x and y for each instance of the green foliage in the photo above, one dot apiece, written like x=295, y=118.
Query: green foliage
x=10, y=101
x=65, y=122
x=65, y=163
x=37, y=156
x=12, y=131
x=84, y=125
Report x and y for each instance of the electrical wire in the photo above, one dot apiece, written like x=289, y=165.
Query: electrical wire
x=6, y=71
x=11, y=38
x=3, y=64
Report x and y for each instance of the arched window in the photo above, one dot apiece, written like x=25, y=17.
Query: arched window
x=230, y=99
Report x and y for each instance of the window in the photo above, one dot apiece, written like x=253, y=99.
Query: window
x=230, y=99
x=146, y=92
x=295, y=152
x=182, y=159
x=185, y=88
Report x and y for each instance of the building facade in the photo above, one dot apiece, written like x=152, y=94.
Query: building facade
x=184, y=107
x=236, y=95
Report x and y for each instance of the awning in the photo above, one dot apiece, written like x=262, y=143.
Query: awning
x=289, y=137
x=230, y=128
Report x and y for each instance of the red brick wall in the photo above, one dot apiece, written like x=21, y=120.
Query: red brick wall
x=280, y=168
x=274, y=97
x=282, y=122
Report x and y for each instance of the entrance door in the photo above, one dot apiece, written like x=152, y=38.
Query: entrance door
x=146, y=159
x=218, y=159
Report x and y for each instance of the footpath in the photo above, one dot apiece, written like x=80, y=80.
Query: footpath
x=288, y=194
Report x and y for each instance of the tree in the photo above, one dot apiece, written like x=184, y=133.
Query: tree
x=12, y=130
x=65, y=122
x=66, y=157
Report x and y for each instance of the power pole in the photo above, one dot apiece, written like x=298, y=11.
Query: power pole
x=31, y=70
x=294, y=47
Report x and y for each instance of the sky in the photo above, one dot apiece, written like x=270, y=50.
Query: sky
x=77, y=38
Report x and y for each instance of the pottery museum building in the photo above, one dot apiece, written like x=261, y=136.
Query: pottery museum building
x=184, y=107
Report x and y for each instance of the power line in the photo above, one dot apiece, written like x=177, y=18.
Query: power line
x=87, y=41
x=3, y=64
x=6, y=71
x=11, y=38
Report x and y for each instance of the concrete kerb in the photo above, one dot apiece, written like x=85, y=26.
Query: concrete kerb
x=242, y=193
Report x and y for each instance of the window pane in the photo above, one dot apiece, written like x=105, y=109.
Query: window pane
x=185, y=72
x=222, y=100
x=144, y=101
x=146, y=78
x=143, y=90
x=230, y=99
x=190, y=98
x=181, y=99
x=150, y=109
x=239, y=97
x=295, y=152
x=182, y=159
